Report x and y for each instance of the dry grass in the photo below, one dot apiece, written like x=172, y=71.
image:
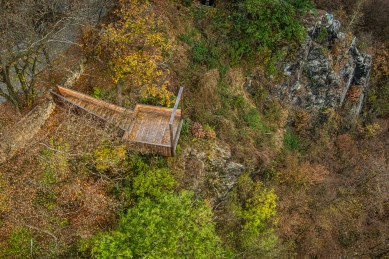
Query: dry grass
x=69, y=202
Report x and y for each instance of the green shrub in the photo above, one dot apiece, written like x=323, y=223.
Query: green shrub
x=291, y=141
x=322, y=35
x=254, y=208
x=100, y=94
x=145, y=181
x=173, y=226
x=265, y=25
x=152, y=183
x=18, y=244
x=200, y=53
x=185, y=126
x=186, y=3
x=254, y=121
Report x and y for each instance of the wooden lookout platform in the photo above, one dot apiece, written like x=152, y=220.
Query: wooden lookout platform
x=148, y=129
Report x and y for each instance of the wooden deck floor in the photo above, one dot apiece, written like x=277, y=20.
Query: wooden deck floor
x=152, y=127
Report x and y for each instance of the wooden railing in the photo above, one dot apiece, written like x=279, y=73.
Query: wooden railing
x=174, y=139
x=80, y=110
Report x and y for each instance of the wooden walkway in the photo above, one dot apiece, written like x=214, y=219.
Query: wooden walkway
x=148, y=129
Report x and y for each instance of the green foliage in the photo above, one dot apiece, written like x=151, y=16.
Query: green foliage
x=173, y=226
x=291, y=141
x=185, y=37
x=18, y=244
x=185, y=126
x=100, y=94
x=186, y=3
x=322, y=35
x=254, y=207
x=54, y=161
x=106, y=156
x=302, y=5
x=147, y=181
x=152, y=183
x=274, y=113
x=378, y=100
x=264, y=26
x=204, y=54
x=45, y=199
x=253, y=119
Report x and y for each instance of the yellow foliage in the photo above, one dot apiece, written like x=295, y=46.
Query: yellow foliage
x=134, y=45
x=371, y=130
x=107, y=157
x=159, y=96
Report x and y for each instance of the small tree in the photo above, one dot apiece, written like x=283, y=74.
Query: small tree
x=252, y=220
x=29, y=30
x=134, y=47
x=173, y=226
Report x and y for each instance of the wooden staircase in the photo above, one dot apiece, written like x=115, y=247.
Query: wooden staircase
x=149, y=129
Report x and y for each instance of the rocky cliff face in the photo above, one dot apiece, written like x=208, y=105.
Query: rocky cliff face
x=211, y=174
x=328, y=70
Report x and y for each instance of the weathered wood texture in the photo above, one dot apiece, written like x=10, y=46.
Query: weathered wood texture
x=148, y=129
x=152, y=128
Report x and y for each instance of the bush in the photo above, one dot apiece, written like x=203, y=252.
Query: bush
x=152, y=183
x=253, y=119
x=265, y=25
x=290, y=140
x=18, y=244
x=173, y=226
x=185, y=126
x=254, y=207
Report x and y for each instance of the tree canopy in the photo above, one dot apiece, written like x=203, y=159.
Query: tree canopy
x=172, y=226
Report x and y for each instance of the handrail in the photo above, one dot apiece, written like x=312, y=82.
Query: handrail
x=78, y=106
x=176, y=105
x=90, y=99
x=172, y=140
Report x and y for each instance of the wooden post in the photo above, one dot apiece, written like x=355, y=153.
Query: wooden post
x=171, y=139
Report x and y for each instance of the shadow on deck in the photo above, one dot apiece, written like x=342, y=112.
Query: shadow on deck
x=147, y=129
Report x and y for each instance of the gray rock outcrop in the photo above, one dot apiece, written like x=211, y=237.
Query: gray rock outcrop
x=211, y=172
x=327, y=71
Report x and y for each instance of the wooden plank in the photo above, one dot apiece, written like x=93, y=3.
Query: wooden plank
x=139, y=127
x=156, y=110
x=68, y=92
x=160, y=133
x=143, y=142
x=152, y=138
x=130, y=123
x=176, y=105
x=117, y=118
x=149, y=125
